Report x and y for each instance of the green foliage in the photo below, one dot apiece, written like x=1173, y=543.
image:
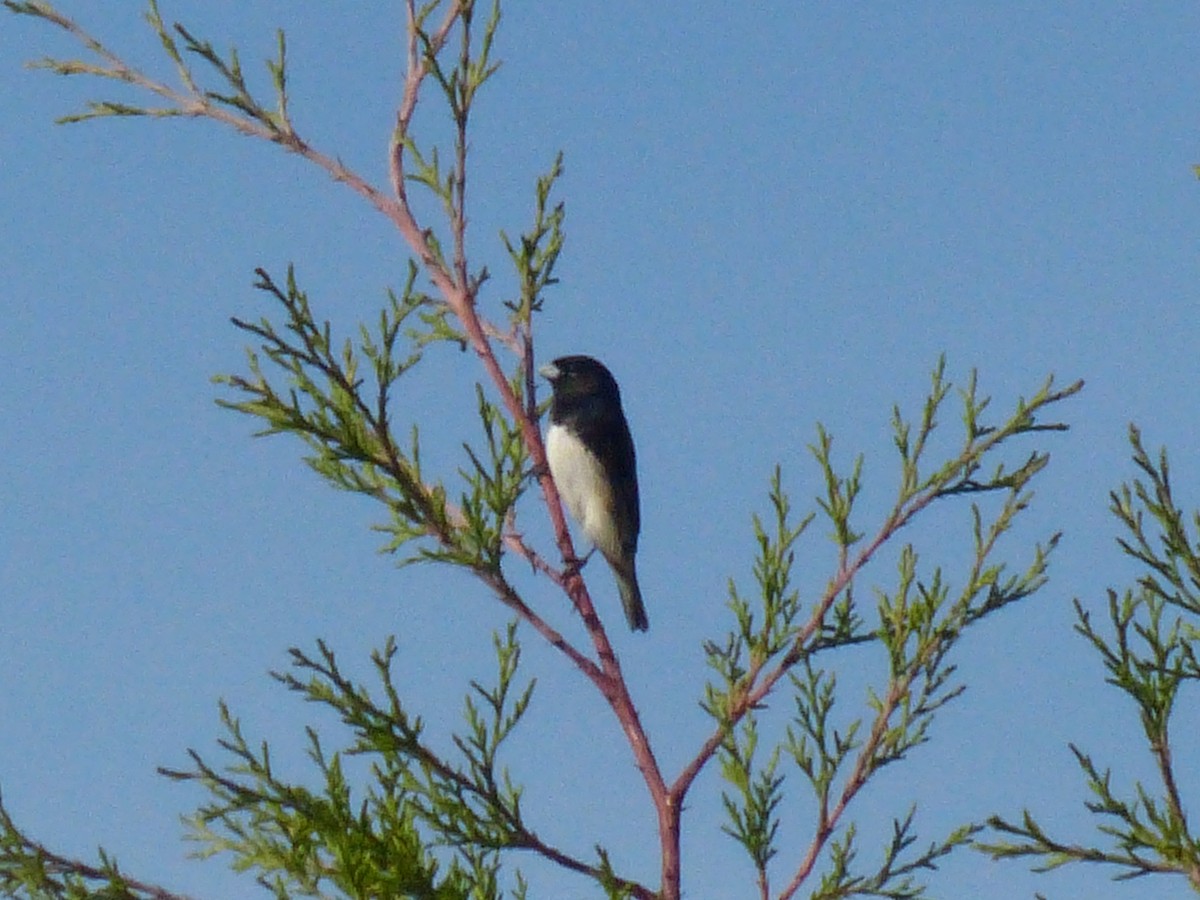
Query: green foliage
x=892, y=878
x=379, y=840
x=1149, y=651
x=539, y=248
x=347, y=424
x=752, y=815
x=233, y=102
x=31, y=871
x=918, y=623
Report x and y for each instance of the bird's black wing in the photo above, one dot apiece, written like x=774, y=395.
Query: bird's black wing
x=612, y=443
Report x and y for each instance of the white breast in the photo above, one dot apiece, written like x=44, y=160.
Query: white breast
x=582, y=485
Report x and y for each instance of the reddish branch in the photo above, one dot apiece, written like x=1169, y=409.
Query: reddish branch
x=457, y=291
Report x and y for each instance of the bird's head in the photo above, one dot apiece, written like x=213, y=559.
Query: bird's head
x=579, y=377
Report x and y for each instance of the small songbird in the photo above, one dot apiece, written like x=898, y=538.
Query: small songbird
x=591, y=457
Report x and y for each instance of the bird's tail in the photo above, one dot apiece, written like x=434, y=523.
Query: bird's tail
x=631, y=597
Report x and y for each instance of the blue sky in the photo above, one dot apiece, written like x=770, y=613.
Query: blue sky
x=775, y=217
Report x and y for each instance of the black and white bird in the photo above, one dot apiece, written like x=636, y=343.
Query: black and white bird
x=592, y=461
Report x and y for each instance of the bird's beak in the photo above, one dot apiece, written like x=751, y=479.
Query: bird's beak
x=549, y=371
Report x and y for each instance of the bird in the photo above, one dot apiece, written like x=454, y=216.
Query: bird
x=590, y=454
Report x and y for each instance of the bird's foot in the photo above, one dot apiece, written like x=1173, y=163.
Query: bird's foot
x=573, y=567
